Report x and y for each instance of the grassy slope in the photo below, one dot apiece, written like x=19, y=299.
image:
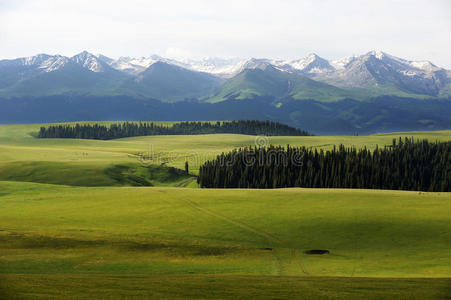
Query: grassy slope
x=92, y=174
x=78, y=242
x=57, y=230
x=25, y=158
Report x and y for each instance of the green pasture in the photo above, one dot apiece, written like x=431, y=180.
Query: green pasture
x=90, y=219
x=60, y=230
x=25, y=158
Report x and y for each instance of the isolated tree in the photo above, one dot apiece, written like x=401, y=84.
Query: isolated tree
x=186, y=167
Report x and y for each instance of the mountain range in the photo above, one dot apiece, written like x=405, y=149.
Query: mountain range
x=358, y=77
x=356, y=89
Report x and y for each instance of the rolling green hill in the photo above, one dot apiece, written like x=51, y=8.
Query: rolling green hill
x=118, y=222
x=89, y=162
x=142, y=160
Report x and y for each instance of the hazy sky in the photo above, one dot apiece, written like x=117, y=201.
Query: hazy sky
x=414, y=29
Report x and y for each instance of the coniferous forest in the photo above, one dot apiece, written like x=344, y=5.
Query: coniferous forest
x=404, y=165
x=128, y=129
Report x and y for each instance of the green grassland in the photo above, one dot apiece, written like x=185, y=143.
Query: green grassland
x=84, y=219
x=89, y=162
x=50, y=230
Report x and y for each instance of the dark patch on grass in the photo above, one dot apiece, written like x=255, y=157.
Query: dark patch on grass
x=137, y=175
x=166, y=174
x=19, y=241
x=211, y=251
x=3, y=194
x=123, y=175
x=78, y=174
x=143, y=246
x=267, y=249
x=176, y=249
x=317, y=252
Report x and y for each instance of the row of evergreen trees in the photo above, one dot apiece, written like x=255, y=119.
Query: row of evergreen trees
x=129, y=129
x=406, y=165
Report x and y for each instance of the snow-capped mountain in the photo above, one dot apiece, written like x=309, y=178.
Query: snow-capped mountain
x=312, y=64
x=222, y=67
x=340, y=64
x=373, y=69
x=227, y=68
x=135, y=66
x=376, y=72
x=43, y=75
x=88, y=61
x=131, y=65
x=49, y=63
x=53, y=63
x=381, y=70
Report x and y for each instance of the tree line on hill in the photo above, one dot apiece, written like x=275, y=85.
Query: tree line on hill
x=404, y=165
x=130, y=129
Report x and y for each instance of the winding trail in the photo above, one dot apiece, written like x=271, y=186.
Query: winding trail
x=264, y=234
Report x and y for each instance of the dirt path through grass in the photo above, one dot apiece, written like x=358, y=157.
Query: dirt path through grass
x=281, y=265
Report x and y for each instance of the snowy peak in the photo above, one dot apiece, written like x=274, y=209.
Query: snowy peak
x=378, y=54
x=382, y=70
x=223, y=67
x=50, y=63
x=401, y=65
x=312, y=64
x=375, y=70
x=44, y=62
x=135, y=66
x=34, y=60
x=132, y=65
x=256, y=63
x=88, y=61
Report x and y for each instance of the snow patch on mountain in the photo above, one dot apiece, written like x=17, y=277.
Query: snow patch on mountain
x=132, y=65
x=224, y=67
x=54, y=63
x=34, y=60
x=312, y=64
x=342, y=63
x=88, y=61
